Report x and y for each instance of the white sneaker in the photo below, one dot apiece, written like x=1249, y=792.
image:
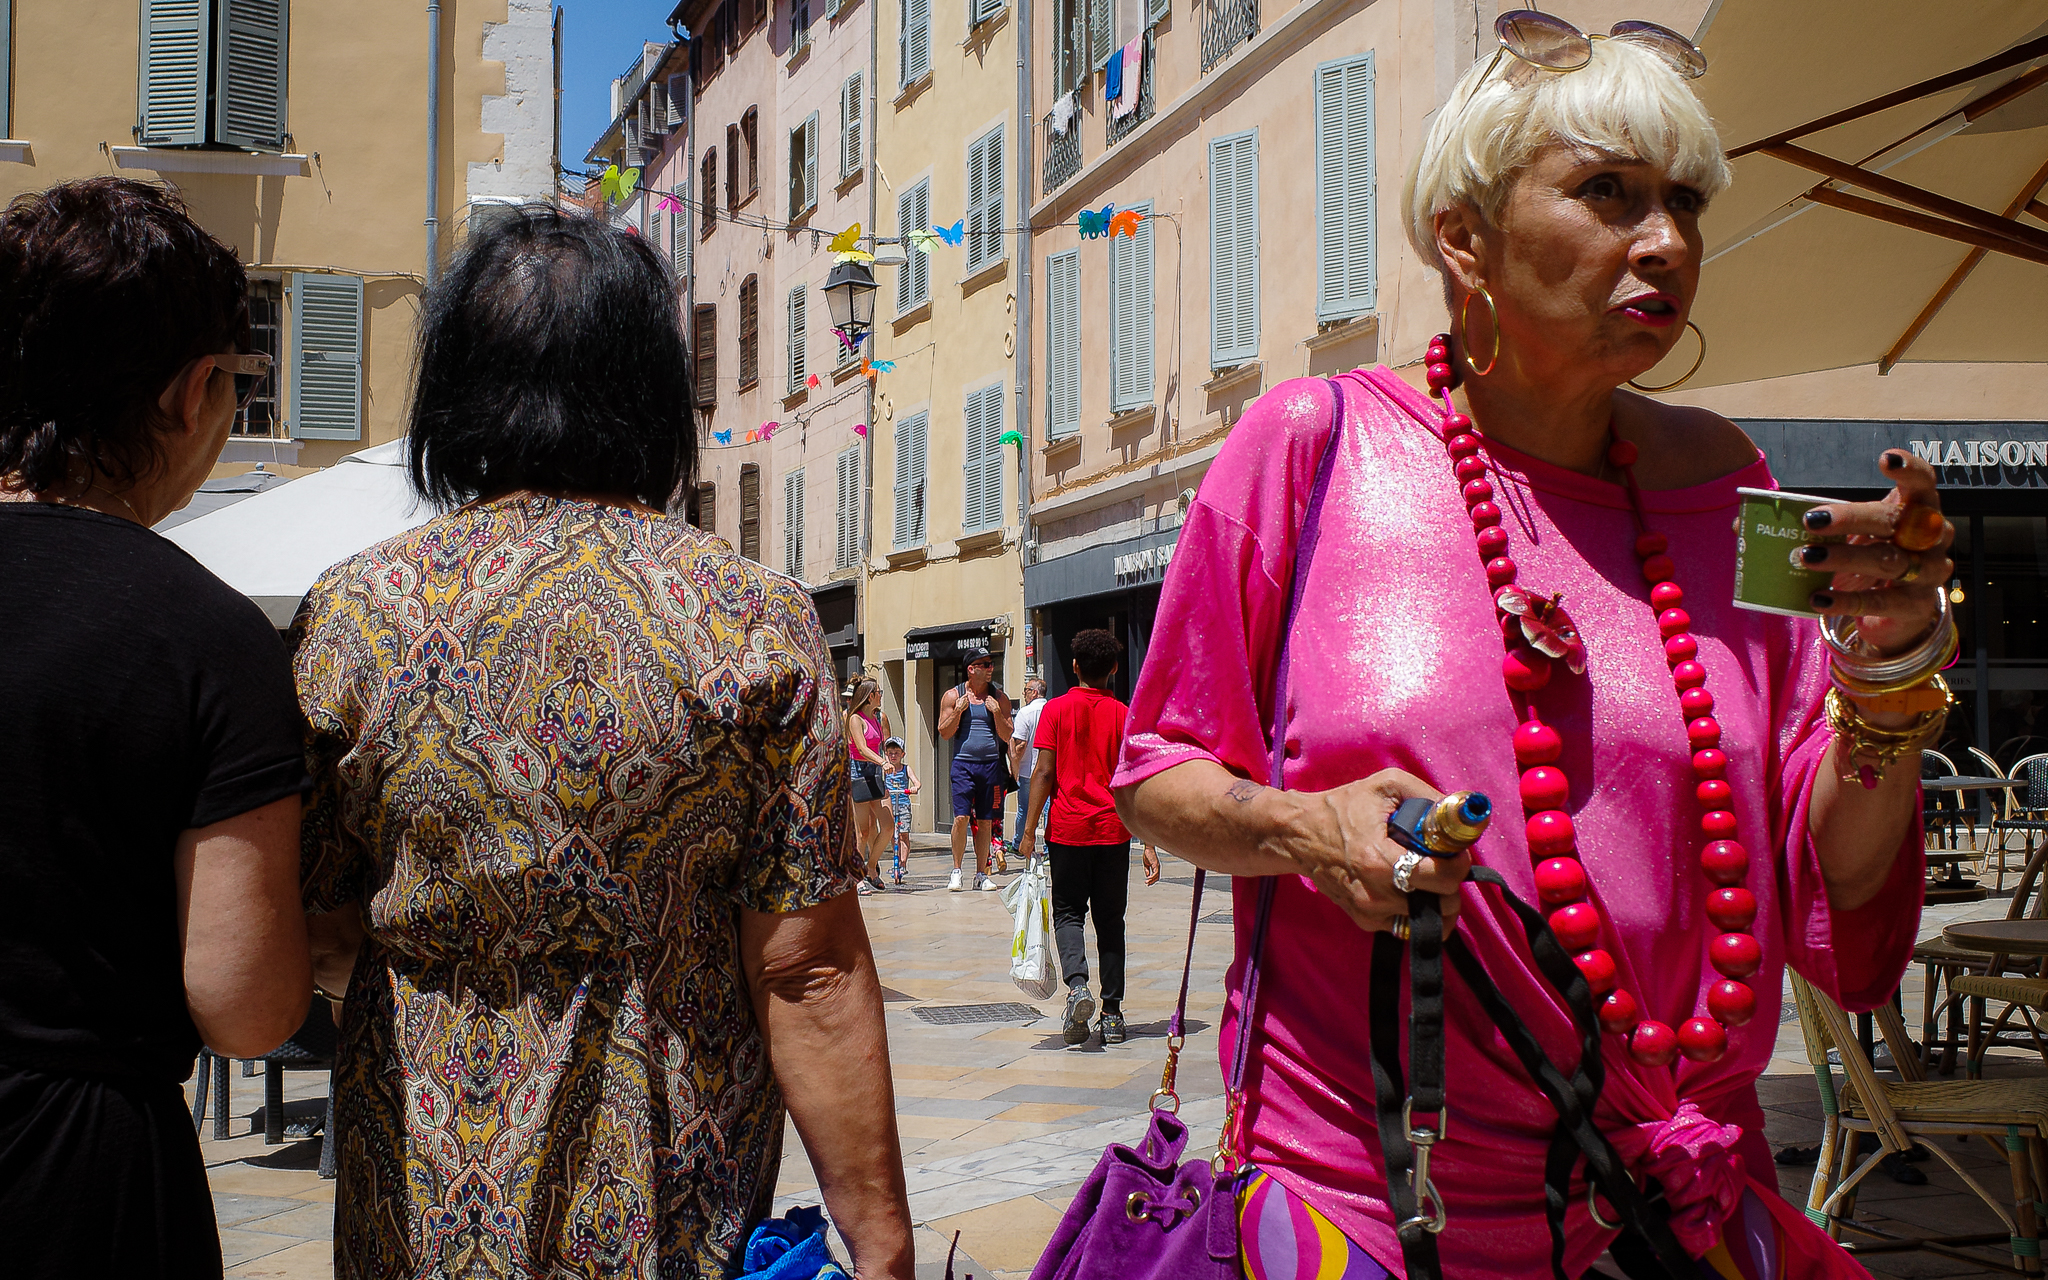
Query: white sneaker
x=987, y=884
x=954, y=883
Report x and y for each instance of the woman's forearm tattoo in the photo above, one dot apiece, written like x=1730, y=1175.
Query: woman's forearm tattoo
x=1244, y=790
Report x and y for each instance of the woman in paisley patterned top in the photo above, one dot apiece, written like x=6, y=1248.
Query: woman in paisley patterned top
x=581, y=791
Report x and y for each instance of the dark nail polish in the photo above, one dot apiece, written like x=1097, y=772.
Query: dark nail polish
x=1819, y=518
x=1823, y=600
x=1813, y=555
x=1893, y=461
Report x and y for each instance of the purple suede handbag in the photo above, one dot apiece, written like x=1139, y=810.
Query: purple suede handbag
x=1143, y=1214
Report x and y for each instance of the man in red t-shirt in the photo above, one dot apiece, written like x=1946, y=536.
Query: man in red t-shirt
x=1079, y=736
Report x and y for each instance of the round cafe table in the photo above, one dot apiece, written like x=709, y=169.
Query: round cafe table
x=2000, y=937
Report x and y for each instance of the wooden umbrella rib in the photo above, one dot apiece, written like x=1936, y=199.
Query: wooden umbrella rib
x=1922, y=222
x=2024, y=200
x=1906, y=193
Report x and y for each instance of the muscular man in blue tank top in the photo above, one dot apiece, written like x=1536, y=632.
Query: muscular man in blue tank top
x=978, y=715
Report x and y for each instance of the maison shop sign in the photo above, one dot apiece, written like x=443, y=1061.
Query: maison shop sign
x=1831, y=455
x=1982, y=453
x=1148, y=565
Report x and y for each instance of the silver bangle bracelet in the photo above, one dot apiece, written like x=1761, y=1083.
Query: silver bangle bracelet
x=1844, y=643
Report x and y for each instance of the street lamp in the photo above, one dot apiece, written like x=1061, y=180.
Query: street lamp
x=850, y=297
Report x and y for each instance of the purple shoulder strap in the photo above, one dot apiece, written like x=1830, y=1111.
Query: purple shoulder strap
x=1304, y=551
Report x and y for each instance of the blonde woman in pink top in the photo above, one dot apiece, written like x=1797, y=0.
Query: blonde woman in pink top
x=1668, y=790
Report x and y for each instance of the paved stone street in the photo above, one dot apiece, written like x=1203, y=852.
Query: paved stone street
x=1001, y=1122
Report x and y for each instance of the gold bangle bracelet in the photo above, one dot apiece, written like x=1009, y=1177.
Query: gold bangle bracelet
x=1878, y=748
x=1856, y=686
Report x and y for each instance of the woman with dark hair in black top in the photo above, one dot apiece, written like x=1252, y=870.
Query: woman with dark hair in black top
x=149, y=822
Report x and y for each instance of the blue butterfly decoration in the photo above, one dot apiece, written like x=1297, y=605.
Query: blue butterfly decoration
x=723, y=437
x=1095, y=225
x=883, y=366
x=953, y=234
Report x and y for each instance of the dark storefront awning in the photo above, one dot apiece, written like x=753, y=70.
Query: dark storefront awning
x=950, y=640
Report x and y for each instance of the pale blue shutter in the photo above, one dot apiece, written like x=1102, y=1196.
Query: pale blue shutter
x=1234, y=249
x=848, y=530
x=1101, y=32
x=916, y=42
x=1132, y=349
x=679, y=235
x=991, y=461
x=327, y=357
x=799, y=340
x=249, y=97
x=910, y=472
x=1345, y=196
x=1063, y=343
x=793, y=523
x=985, y=200
x=176, y=53
x=811, y=162
x=851, y=109
x=914, y=277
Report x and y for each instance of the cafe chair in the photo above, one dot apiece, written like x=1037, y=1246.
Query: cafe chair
x=2026, y=813
x=2000, y=805
x=1942, y=811
x=2024, y=996
x=1946, y=963
x=2011, y=1115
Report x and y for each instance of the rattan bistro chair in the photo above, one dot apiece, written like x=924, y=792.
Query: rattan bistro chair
x=2012, y=1115
x=1946, y=962
x=2028, y=812
x=2000, y=806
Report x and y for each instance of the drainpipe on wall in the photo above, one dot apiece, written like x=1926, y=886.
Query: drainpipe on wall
x=872, y=133
x=433, y=141
x=1022, y=366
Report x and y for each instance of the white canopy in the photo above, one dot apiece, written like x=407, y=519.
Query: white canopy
x=273, y=545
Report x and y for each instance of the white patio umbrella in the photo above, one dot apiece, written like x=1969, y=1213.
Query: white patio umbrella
x=271, y=547
x=1890, y=160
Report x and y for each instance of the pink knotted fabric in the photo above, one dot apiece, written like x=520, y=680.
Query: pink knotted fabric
x=1695, y=1159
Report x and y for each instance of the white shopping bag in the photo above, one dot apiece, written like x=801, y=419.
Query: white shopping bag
x=1032, y=967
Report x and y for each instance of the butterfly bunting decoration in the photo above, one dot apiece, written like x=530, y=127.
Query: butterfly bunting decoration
x=923, y=241
x=768, y=429
x=845, y=246
x=723, y=437
x=1013, y=436
x=846, y=343
x=812, y=382
x=1125, y=223
x=954, y=234
x=884, y=366
x=668, y=203
x=860, y=429
x=1094, y=224
x=617, y=186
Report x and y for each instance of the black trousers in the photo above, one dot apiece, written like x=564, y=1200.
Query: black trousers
x=1091, y=877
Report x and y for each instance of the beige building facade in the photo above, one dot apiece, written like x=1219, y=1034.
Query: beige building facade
x=313, y=168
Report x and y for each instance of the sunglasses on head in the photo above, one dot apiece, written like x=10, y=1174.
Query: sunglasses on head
x=249, y=371
x=1545, y=42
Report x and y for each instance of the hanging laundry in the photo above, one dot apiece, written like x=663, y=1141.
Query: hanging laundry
x=1124, y=98
x=1063, y=113
x=1113, y=77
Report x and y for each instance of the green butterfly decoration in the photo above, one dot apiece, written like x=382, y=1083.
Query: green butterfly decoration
x=1013, y=437
x=618, y=186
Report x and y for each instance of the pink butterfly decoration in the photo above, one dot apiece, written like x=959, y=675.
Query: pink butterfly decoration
x=860, y=429
x=1545, y=625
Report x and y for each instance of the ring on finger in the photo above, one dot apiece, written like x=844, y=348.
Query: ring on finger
x=1912, y=573
x=1404, y=867
x=1398, y=926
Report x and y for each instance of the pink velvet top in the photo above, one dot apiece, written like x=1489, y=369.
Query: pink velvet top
x=1396, y=664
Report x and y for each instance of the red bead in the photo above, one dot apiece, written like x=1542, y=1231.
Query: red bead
x=1674, y=622
x=1577, y=926
x=1667, y=595
x=1618, y=1013
x=1462, y=445
x=1598, y=967
x=1560, y=880
x=1735, y=955
x=1731, y=909
x=1732, y=1002
x=1709, y=763
x=1621, y=453
x=1702, y=1040
x=1703, y=733
x=1492, y=542
x=1511, y=630
x=1658, y=569
x=1544, y=788
x=1725, y=862
x=1696, y=702
x=1652, y=544
x=1550, y=834
x=1457, y=423
x=1484, y=515
x=1525, y=670
x=1718, y=824
x=1500, y=571
x=1440, y=345
x=1470, y=468
x=1714, y=794
x=1652, y=1043
x=1681, y=647
x=1537, y=743
x=1477, y=491
x=1439, y=376
x=1688, y=675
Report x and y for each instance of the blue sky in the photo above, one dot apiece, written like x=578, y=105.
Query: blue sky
x=598, y=40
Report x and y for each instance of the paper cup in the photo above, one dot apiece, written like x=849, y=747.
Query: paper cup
x=1769, y=531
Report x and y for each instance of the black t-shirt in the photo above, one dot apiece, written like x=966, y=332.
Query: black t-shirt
x=143, y=697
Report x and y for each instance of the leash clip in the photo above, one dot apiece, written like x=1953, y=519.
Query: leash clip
x=1429, y=1206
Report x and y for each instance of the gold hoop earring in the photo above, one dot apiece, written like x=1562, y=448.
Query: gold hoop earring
x=1491, y=310
x=1697, y=362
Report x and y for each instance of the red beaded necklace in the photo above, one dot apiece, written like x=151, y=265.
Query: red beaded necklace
x=1538, y=633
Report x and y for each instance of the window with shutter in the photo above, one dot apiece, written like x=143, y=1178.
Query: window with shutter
x=1345, y=195
x=1063, y=344
x=980, y=11
x=677, y=87
x=750, y=134
x=793, y=523
x=799, y=27
x=177, y=47
x=1101, y=32
x=851, y=109
x=327, y=357
x=707, y=507
x=799, y=340
x=831, y=8
x=811, y=162
x=984, y=460
x=732, y=168
x=909, y=492
x=750, y=511
x=847, y=541
x=914, y=277
x=706, y=388
x=914, y=41
x=1131, y=347
x=250, y=74
x=657, y=106
x=750, y=331
x=1234, y=249
x=679, y=235
x=985, y=199
x=707, y=216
